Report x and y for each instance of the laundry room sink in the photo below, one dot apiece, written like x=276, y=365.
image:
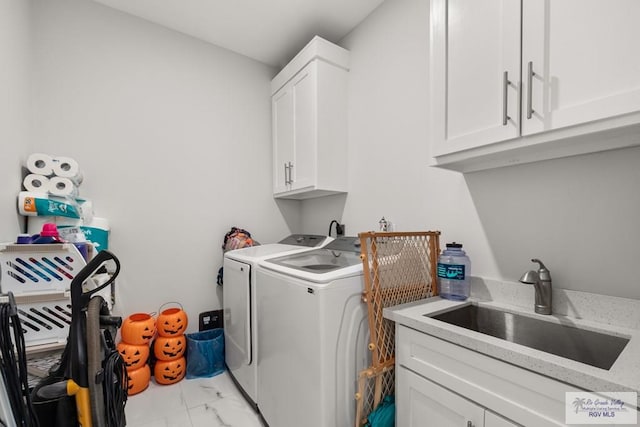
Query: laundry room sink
x=593, y=348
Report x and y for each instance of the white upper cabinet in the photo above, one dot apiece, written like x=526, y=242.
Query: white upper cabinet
x=476, y=71
x=283, y=129
x=584, y=61
x=519, y=81
x=309, y=115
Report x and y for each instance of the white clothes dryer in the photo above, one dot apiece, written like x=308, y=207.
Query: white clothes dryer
x=239, y=305
x=313, y=332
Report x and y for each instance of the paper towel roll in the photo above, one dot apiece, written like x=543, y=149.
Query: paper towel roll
x=96, y=231
x=36, y=182
x=86, y=210
x=40, y=163
x=62, y=187
x=35, y=223
x=67, y=167
x=27, y=202
x=41, y=204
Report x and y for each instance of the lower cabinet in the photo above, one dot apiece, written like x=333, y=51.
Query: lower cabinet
x=439, y=383
x=423, y=403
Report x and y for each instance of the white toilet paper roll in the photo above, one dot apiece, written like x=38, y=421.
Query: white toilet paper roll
x=67, y=167
x=37, y=183
x=40, y=163
x=62, y=187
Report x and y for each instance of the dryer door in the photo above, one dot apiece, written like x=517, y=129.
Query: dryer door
x=237, y=322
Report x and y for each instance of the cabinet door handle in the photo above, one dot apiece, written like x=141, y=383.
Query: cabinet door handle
x=290, y=175
x=505, y=88
x=286, y=174
x=530, y=75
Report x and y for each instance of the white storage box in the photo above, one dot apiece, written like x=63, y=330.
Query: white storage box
x=40, y=277
x=45, y=320
x=28, y=269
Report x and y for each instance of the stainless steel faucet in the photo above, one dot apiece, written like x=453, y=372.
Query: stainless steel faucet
x=541, y=281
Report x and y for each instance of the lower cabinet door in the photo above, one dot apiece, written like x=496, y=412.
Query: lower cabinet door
x=422, y=403
x=494, y=420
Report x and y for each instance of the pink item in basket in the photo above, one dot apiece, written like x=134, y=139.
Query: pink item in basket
x=49, y=230
x=48, y=234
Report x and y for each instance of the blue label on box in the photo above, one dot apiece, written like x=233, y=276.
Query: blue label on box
x=451, y=271
x=56, y=208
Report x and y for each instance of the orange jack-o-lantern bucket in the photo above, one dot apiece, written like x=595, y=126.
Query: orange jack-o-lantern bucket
x=138, y=380
x=138, y=329
x=134, y=356
x=172, y=322
x=170, y=371
x=169, y=348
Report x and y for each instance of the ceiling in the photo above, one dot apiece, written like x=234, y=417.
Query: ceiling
x=270, y=31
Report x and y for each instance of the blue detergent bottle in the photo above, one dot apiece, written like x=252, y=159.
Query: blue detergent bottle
x=454, y=268
x=49, y=234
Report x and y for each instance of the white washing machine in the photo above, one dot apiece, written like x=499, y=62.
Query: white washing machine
x=239, y=305
x=313, y=331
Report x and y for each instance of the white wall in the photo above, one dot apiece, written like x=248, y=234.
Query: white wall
x=579, y=215
x=14, y=109
x=174, y=138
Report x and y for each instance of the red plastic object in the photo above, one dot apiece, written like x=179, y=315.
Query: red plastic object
x=49, y=230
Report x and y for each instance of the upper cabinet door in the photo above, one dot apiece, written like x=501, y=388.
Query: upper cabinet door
x=583, y=60
x=283, y=134
x=475, y=73
x=305, y=119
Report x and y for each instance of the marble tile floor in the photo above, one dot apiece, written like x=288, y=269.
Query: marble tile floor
x=211, y=402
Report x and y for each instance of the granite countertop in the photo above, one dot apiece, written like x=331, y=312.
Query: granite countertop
x=610, y=315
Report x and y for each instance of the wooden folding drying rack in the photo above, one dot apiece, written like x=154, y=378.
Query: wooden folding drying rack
x=398, y=268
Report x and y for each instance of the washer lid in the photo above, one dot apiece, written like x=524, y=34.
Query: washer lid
x=318, y=261
x=292, y=244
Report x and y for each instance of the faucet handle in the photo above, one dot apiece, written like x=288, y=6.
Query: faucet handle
x=539, y=262
x=543, y=271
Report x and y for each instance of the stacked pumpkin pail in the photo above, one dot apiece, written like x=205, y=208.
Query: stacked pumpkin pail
x=170, y=346
x=136, y=333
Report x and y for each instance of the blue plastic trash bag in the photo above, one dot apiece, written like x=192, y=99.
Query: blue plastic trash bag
x=205, y=353
x=384, y=415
